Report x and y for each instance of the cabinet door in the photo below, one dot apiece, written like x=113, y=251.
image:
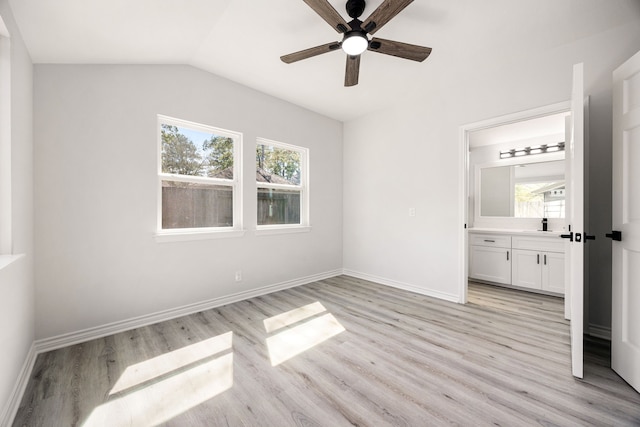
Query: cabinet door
x=553, y=272
x=527, y=266
x=490, y=264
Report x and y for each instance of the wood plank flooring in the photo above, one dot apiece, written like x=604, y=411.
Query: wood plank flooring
x=339, y=352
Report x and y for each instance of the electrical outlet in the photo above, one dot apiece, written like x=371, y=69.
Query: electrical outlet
x=239, y=276
x=412, y=211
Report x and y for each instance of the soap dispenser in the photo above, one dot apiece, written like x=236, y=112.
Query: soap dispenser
x=544, y=224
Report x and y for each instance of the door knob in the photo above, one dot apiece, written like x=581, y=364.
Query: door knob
x=588, y=237
x=615, y=235
x=568, y=236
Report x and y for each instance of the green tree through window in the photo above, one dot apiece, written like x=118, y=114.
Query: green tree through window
x=279, y=161
x=220, y=154
x=212, y=157
x=179, y=154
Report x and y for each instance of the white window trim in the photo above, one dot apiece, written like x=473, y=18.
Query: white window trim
x=269, y=230
x=305, y=222
x=186, y=234
x=189, y=234
x=7, y=260
x=6, y=238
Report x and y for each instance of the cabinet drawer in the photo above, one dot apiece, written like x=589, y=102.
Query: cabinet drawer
x=492, y=240
x=546, y=244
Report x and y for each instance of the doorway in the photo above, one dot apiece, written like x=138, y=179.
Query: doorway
x=499, y=146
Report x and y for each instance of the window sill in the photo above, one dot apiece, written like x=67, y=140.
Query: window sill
x=166, y=236
x=6, y=260
x=268, y=230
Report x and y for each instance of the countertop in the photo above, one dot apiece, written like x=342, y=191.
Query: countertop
x=538, y=233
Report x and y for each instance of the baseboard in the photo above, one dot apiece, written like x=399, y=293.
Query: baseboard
x=65, y=340
x=60, y=341
x=402, y=285
x=600, y=331
x=11, y=409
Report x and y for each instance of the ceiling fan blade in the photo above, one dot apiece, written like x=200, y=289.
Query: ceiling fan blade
x=353, y=70
x=308, y=53
x=383, y=14
x=329, y=14
x=399, y=49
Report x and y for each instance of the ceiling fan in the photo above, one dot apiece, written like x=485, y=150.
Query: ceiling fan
x=355, y=40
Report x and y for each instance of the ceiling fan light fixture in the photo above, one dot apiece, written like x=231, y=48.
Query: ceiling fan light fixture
x=355, y=43
x=357, y=35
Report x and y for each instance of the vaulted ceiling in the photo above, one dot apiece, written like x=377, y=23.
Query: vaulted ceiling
x=242, y=40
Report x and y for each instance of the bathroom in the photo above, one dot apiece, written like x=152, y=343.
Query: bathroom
x=517, y=206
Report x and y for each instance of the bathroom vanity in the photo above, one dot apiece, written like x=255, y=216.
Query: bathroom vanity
x=531, y=260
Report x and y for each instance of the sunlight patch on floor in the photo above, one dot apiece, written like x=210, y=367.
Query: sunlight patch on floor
x=295, y=340
x=154, y=394
x=293, y=316
x=169, y=362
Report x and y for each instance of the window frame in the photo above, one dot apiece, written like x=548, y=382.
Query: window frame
x=303, y=188
x=6, y=237
x=199, y=233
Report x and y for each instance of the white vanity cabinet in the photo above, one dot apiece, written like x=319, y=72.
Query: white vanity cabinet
x=490, y=258
x=538, y=263
x=527, y=260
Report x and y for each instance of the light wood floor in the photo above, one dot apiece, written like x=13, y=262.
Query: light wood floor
x=346, y=352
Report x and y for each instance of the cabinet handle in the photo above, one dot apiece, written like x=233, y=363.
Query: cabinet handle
x=545, y=259
x=538, y=258
x=489, y=241
x=507, y=255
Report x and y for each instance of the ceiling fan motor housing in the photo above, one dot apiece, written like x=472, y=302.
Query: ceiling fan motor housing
x=355, y=8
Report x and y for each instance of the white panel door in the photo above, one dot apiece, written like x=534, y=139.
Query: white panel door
x=625, y=324
x=568, y=213
x=574, y=158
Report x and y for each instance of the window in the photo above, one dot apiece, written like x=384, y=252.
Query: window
x=199, y=178
x=282, y=182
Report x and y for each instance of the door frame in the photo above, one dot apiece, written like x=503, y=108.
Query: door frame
x=463, y=214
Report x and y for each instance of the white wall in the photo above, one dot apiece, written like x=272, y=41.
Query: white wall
x=409, y=155
x=95, y=157
x=16, y=280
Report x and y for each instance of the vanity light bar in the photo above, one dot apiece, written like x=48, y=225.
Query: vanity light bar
x=536, y=149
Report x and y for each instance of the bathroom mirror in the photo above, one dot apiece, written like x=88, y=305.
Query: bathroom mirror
x=527, y=190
